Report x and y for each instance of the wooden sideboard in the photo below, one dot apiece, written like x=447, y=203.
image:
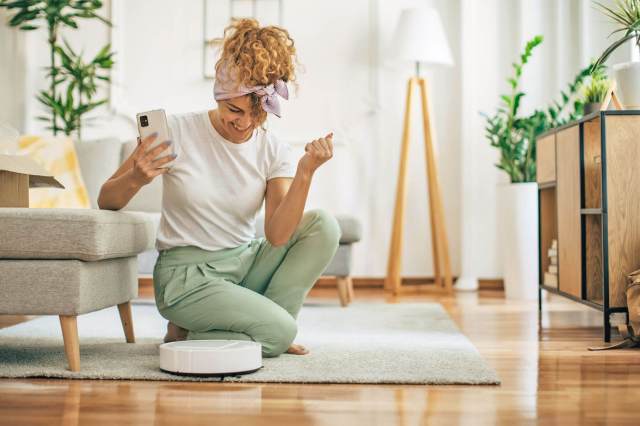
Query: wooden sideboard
x=588, y=175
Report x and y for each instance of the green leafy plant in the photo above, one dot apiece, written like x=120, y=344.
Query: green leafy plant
x=625, y=13
x=596, y=90
x=515, y=136
x=72, y=85
x=81, y=86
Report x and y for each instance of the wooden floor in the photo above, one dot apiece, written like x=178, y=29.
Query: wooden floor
x=549, y=378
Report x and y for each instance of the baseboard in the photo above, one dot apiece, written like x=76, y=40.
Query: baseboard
x=491, y=284
x=378, y=282
x=146, y=281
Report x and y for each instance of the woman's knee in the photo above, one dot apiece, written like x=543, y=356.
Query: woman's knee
x=279, y=337
x=325, y=226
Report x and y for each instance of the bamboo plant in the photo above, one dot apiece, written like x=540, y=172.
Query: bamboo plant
x=81, y=86
x=72, y=85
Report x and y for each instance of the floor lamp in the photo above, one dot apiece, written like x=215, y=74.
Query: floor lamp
x=420, y=38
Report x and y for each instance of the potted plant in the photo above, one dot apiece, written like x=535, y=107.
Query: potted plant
x=73, y=82
x=626, y=14
x=515, y=137
x=595, y=92
x=81, y=80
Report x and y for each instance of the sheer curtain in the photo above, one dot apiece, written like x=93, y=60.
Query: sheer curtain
x=12, y=71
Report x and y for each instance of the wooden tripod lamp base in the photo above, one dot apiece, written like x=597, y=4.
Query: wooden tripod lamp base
x=439, y=242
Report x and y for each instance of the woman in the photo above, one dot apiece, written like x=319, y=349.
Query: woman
x=213, y=279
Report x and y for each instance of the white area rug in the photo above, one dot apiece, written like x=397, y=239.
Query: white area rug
x=364, y=343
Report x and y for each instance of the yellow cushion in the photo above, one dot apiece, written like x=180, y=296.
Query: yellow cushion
x=58, y=157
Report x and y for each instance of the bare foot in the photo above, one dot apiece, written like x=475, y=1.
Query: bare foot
x=175, y=333
x=297, y=350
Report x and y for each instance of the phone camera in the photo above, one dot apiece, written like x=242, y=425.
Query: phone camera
x=144, y=121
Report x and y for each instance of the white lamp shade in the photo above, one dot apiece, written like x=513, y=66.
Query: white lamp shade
x=420, y=37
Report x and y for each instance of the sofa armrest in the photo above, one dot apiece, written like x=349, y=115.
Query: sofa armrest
x=351, y=229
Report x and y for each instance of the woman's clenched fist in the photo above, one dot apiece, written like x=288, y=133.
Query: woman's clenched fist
x=316, y=154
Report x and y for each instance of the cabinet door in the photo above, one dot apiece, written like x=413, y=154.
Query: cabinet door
x=623, y=202
x=546, y=159
x=568, y=202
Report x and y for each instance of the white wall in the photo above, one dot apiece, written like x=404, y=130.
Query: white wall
x=349, y=86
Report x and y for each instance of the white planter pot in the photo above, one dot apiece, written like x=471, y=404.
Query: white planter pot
x=518, y=228
x=627, y=76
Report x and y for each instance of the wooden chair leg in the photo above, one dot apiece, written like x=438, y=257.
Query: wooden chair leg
x=127, y=321
x=343, y=290
x=350, y=289
x=69, y=326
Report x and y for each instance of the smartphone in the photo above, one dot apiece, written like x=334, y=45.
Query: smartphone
x=151, y=122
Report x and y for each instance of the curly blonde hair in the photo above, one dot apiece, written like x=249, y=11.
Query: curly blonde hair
x=257, y=56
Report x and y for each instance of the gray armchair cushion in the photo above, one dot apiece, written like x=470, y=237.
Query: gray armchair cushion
x=83, y=234
x=98, y=161
x=351, y=229
x=340, y=265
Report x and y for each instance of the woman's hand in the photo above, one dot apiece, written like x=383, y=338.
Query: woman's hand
x=145, y=165
x=316, y=154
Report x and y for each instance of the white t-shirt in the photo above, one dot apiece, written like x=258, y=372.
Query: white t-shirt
x=215, y=188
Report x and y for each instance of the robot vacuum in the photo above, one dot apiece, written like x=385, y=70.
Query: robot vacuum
x=210, y=357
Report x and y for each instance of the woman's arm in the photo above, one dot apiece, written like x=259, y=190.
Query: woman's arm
x=285, y=198
x=136, y=171
x=116, y=192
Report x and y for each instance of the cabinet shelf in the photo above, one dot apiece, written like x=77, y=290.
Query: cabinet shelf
x=594, y=304
x=591, y=211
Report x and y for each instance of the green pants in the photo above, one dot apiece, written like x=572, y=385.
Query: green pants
x=251, y=292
